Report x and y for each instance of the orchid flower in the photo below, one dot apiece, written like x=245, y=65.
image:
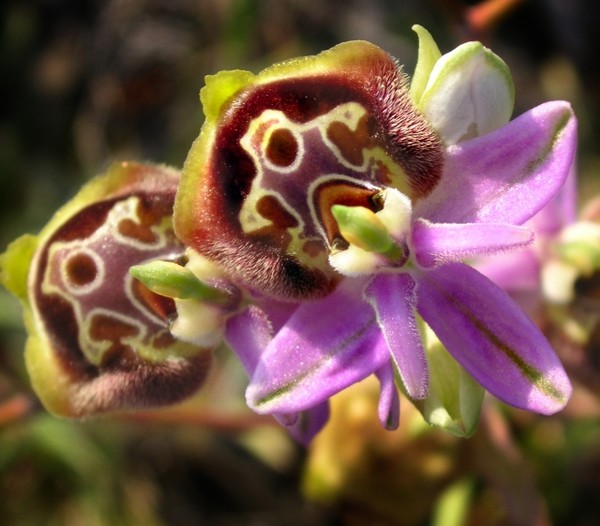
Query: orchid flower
x=99, y=340
x=322, y=228
x=329, y=183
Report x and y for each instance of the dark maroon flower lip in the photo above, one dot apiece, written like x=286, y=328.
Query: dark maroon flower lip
x=286, y=149
x=107, y=334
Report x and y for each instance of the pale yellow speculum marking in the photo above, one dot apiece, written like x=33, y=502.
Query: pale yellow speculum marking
x=57, y=279
x=271, y=120
x=376, y=166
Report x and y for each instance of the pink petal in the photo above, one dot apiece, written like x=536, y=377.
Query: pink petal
x=325, y=346
x=489, y=335
x=389, y=400
x=435, y=243
x=309, y=423
x=393, y=299
x=248, y=334
x=508, y=175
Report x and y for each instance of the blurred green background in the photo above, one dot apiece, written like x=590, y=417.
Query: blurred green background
x=85, y=83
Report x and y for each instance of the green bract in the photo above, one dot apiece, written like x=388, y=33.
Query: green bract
x=455, y=398
x=429, y=54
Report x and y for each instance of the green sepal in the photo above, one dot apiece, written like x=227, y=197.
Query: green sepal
x=220, y=88
x=15, y=263
x=455, y=398
x=428, y=55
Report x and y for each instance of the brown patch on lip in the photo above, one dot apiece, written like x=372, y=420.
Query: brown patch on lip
x=282, y=149
x=351, y=143
x=340, y=193
x=81, y=270
x=149, y=211
x=105, y=328
x=276, y=233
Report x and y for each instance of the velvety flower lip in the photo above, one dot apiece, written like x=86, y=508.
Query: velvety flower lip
x=98, y=340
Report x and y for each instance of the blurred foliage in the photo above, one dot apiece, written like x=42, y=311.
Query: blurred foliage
x=88, y=82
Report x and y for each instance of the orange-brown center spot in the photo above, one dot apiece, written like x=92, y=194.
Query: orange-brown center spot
x=282, y=149
x=351, y=143
x=162, y=306
x=133, y=230
x=271, y=208
x=81, y=270
x=340, y=193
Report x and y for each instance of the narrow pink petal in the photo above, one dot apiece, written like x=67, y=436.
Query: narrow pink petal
x=434, y=243
x=248, y=334
x=324, y=347
x=393, y=299
x=389, y=400
x=491, y=337
x=309, y=423
x=508, y=175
